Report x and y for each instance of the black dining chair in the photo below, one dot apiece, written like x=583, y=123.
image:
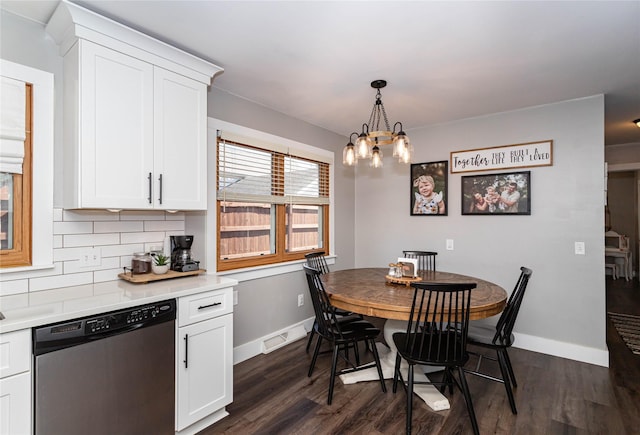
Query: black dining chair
x=342, y=336
x=318, y=261
x=426, y=259
x=436, y=335
x=500, y=338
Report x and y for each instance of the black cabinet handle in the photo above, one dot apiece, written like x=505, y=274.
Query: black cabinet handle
x=202, y=307
x=160, y=199
x=186, y=351
x=150, y=181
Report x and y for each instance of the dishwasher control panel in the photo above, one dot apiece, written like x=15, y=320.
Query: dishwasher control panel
x=58, y=336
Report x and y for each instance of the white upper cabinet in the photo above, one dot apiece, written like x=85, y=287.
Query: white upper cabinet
x=135, y=112
x=180, y=132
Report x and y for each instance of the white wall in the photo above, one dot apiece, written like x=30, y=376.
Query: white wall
x=564, y=309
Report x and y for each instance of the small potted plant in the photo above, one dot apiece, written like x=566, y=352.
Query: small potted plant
x=160, y=264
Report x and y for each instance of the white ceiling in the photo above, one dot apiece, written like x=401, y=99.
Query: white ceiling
x=444, y=61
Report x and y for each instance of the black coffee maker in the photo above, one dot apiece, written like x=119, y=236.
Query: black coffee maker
x=181, y=260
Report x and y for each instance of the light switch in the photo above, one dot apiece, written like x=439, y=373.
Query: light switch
x=449, y=244
x=579, y=248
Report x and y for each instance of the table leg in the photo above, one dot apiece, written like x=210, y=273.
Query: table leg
x=428, y=393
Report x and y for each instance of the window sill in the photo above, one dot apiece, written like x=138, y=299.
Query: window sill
x=9, y=270
x=266, y=271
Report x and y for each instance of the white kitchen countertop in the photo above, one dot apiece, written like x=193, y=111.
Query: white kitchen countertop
x=28, y=310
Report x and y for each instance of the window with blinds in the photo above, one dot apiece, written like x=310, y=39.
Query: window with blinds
x=272, y=204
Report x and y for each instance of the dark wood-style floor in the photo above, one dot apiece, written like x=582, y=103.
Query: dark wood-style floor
x=273, y=395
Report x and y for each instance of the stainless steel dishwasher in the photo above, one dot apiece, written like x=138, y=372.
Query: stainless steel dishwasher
x=112, y=373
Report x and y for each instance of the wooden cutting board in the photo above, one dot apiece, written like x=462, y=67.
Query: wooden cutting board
x=144, y=278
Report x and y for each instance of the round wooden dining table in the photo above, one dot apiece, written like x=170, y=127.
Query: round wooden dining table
x=366, y=291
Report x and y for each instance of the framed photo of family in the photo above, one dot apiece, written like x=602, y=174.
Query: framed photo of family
x=508, y=193
x=428, y=188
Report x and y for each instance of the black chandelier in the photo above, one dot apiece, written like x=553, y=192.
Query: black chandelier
x=374, y=135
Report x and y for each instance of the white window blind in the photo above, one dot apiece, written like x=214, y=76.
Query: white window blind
x=12, y=124
x=250, y=174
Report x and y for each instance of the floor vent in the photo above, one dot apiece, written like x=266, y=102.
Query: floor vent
x=283, y=338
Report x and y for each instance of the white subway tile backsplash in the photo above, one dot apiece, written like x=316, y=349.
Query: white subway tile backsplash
x=118, y=227
x=57, y=241
x=164, y=225
x=89, y=215
x=106, y=275
x=72, y=227
x=73, y=240
x=179, y=216
x=119, y=250
x=106, y=263
x=142, y=215
x=116, y=235
x=142, y=237
x=38, y=284
x=14, y=287
x=66, y=254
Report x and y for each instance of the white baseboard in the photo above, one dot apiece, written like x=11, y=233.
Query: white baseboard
x=533, y=343
x=564, y=350
x=273, y=341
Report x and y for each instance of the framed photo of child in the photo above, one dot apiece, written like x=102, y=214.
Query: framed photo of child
x=508, y=193
x=429, y=185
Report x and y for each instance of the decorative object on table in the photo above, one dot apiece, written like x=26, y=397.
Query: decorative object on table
x=374, y=135
x=150, y=277
x=160, y=264
x=396, y=274
x=628, y=326
x=428, y=189
x=507, y=193
x=181, y=260
x=500, y=338
x=409, y=267
x=523, y=155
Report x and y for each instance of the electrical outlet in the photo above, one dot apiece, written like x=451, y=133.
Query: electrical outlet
x=449, y=244
x=90, y=257
x=300, y=300
x=579, y=248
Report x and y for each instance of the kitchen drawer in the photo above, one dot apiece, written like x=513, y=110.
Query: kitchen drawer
x=203, y=306
x=15, y=352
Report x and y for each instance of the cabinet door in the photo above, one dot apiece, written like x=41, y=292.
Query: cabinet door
x=180, y=142
x=116, y=129
x=15, y=405
x=205, y=369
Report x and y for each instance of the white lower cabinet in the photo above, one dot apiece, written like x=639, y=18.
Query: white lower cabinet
x=204, y=355
x=15, y=383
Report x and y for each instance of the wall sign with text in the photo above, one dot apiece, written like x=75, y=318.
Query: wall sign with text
x=524, y=155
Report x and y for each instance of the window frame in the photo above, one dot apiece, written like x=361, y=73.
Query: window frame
x=21, y=253
x=281, y=261
x=42, y=212
x=281, y=255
